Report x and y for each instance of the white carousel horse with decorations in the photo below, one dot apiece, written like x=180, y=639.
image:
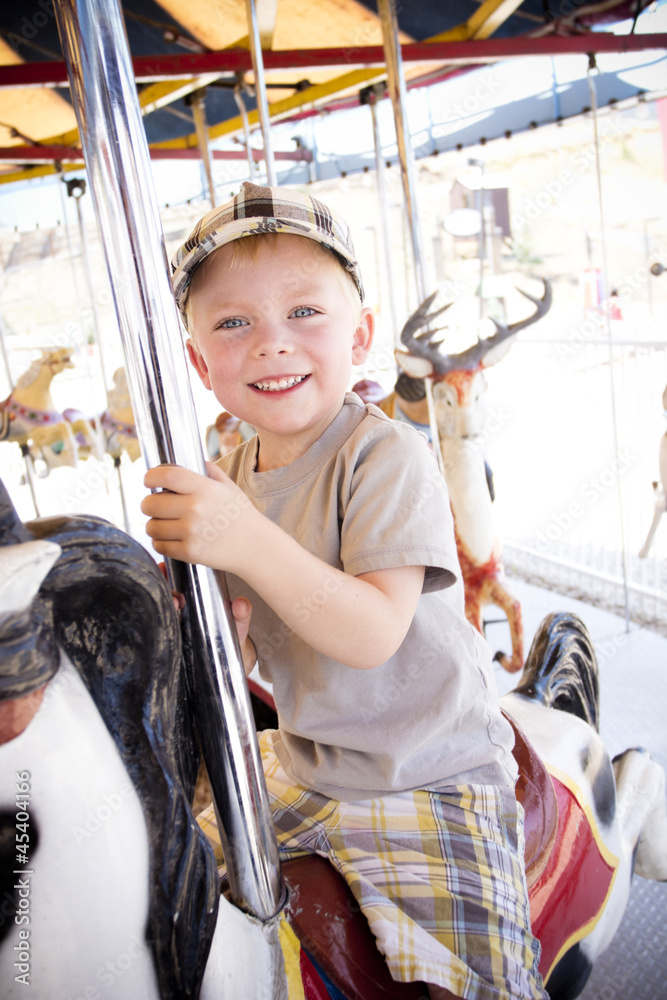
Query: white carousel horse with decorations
x=30, y=418
x=114, y=877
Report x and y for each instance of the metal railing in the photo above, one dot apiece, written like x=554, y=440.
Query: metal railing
x=582, y=503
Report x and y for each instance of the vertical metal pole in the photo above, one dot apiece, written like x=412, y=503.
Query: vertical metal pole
x=313, y=172
x=85, y=261
x=30, y=476
x=647, y=253
x=481, y=243
x=243, y=111
x=610, y=338
x=116, y=153
x=196, y=102
x=398, y=95
x=370, y=97
x=5, y=355
x=260, y=90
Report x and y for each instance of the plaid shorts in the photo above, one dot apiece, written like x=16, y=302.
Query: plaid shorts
x=438, y=875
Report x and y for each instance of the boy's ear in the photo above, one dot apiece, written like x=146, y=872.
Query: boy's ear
x=198, y=363
x=363, y=336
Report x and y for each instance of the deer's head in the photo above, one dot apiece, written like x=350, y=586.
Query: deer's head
x=458, y=380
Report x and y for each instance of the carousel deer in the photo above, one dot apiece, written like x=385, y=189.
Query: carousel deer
x=458, y=388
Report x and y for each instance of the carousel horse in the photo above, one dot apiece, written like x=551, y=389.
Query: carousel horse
x=120, y=432
x=111, y=888
x=116, y=424
x=29, y=416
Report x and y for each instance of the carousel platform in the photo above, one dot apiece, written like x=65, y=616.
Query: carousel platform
x=633, y=697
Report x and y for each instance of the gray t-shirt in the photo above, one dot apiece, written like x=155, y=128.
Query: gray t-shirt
x=366, y=496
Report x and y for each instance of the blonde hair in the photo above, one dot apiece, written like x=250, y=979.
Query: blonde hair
x=247, y=248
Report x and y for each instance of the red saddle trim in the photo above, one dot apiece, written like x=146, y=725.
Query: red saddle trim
x=313, y=987
x=535, y=792
x=570, y=894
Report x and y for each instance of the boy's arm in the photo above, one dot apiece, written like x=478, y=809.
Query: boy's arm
x=360, y=621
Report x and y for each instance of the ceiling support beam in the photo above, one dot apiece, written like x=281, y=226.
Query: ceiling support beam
x=168, y=67
x=67, y=154
x=488, y=17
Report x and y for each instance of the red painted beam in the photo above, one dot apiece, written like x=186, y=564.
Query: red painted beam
x=151, y=68
x=48, y=154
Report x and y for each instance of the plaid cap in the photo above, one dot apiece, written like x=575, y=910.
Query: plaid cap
x=257, y=210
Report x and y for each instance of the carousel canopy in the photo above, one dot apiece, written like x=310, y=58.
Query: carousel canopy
x=319, y=58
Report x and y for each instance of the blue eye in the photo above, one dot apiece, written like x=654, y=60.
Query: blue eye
x=231, y=324
x=302, y=311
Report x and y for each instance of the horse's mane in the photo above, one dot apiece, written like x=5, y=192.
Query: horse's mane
x=113, y=614
x=31, y=374
x=561, y=669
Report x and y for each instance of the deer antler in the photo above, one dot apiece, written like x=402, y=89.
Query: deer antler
x=423, y=346
x=504, y=332
x=470, y=359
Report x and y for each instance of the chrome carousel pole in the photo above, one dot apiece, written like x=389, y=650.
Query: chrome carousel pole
x=398, y=95
x=243, y=111
x=197, y=102
x=260, y=90
x=76, y=188
x=116, y=153
x=370, y=96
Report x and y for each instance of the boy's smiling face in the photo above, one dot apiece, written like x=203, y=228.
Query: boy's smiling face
x=277, y=335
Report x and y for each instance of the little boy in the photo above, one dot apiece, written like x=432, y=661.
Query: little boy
x=392, y=758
